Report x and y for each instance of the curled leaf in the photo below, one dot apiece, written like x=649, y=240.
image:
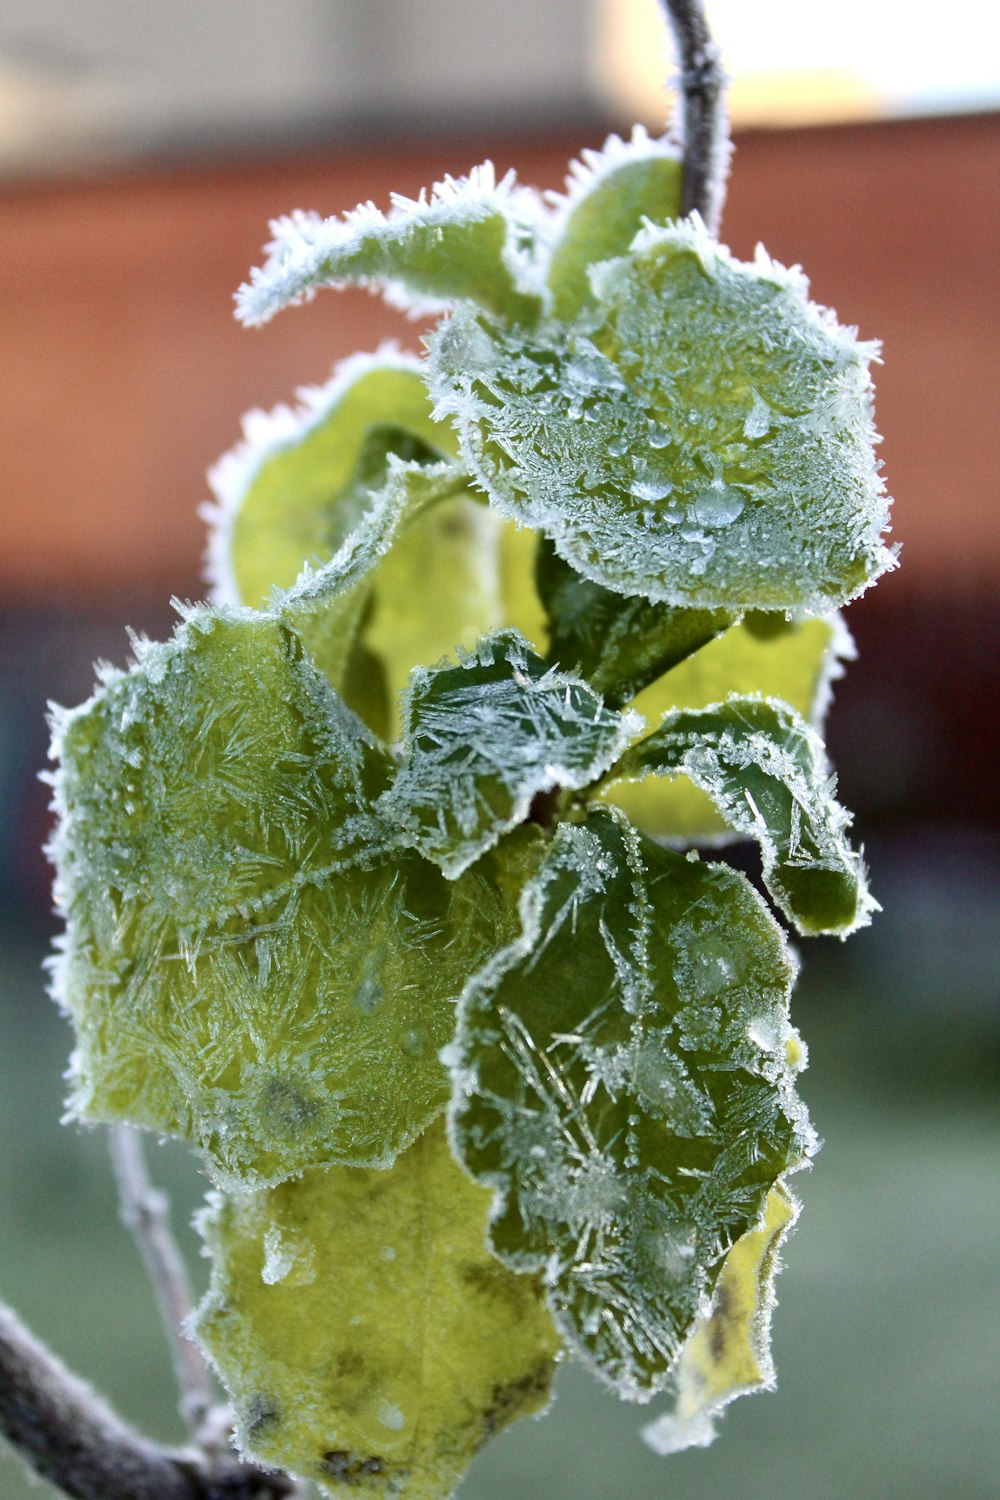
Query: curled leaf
x=729, y=1352
x=459, y=243
x=766, y=771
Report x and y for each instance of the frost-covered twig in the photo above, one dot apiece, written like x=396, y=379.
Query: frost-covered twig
x=71, y=1438
x=146, y=1214
x=703, y=115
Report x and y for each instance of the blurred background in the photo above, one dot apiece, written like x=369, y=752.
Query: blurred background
x=143, y=148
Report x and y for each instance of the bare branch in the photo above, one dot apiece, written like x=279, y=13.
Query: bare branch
x=704, y=130
x=146, y=1214
x=70, y=1437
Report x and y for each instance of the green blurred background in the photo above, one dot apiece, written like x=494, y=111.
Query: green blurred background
x=131, y=204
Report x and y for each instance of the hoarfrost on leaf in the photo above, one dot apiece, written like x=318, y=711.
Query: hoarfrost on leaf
x=463, y=241
x=484, y=738
x=766, y=771
x=614, y=1085
x=406, y=1347
x=729, y=1352
x=249, y=961
x=625, y=440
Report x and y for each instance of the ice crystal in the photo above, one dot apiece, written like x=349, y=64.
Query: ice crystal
x=249, y=960
x=612, y=1088
x=766, y=771
x=485, y=738
x=625, y=442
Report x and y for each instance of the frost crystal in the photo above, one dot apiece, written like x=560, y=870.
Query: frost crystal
x=461, y=241
x=766, y=771
x=626, y=441
x=612, y=1088
x=240, y=967
x=483, y=739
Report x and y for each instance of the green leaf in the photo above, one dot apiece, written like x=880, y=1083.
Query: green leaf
x=367, y=1337
x=464, y=242
x=729, y=1353
x=239, y=967
x=792, y=660
x=609, y=195
x=767, y=773
x=624, y=1081
x=299, y=484
x=620, y=645
x=485, y=738
x=703, y=440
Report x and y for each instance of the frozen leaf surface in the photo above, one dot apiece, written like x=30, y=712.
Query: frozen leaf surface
x=702, y=438
x=795, y=660
x=484, y=738
x=619, y=644
x=729, y=1353
x=608, y=195
x=463, y=241
x=624, y=1081
x=240, y=968
x=370, y=1341
x=766, y=771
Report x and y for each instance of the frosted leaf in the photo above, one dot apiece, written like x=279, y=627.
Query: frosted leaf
x=298, y=485
x=239, y=967
x=484, y=738
x=795, y=660
x=626, y=444
x=407, y=1348
x=767, y=773
x=609, y=193
x=729, y=1352
x=620, y=645
x=623, y=1082
x=463, y=241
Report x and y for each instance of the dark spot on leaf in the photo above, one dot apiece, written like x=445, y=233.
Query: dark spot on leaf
x=287, y=1106
x=349, y=1468
x=717, y=1324
x=508, y=1401
x=263, y=1413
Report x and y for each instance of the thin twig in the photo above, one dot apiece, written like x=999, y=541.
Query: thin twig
x=704, y=130
x=145, y=1211
x=70, y=1437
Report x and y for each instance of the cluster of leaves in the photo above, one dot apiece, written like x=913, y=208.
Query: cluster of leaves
x=380, y=835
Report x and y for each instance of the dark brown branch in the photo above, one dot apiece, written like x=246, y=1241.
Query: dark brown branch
x=704, y=131
x=71, y=1438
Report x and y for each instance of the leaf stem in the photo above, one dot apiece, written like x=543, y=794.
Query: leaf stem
x=704, y=128
x=145, y=1212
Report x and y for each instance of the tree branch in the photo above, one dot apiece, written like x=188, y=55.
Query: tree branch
x=146, y=1214
x=704, y=130
x=70, y=1437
